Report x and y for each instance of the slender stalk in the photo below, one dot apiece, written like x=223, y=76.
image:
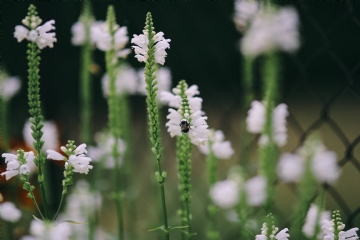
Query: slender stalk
x=60, y=205
x=153, y=113
x=85, y=77
x=114, y=112
x=35, y=112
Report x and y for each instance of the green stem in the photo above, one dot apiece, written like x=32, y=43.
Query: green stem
x=85, y=76
x=35, y=112
x=4, y=125
x=118, y=192
x=60, y=205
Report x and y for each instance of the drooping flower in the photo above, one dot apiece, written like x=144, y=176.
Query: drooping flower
x=290, y=167
x=256, y=120
x=244, y=13
x=310, y=221
x=125, y=82
x=141, y=46
x=9, y=86
x=272, y=29
x=103, y=151
x=221, y=149
x=189, y=109
x=18, y=164
x=225, y=194
x=9, y=212
x=76, y=157
x=255, y=190
x=100, y=36
x=41, y=35
x=163, y=78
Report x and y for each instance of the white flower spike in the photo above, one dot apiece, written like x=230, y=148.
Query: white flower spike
x=18, y=164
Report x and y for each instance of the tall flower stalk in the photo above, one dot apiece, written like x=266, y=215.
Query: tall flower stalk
x=85, y=74
x=114, y=111
x=151, y=50
x=39, y=37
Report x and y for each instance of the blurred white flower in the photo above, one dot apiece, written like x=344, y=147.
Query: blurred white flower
x=78, y=33
x=272, y=29
x=221, y=149
x=256, y=120
x=41, y=35
x=9, y=86
x=50, y=231
x=103, y=151
x=9, y=212
x=310, y=221
x=99, y=34
x=15, y=166
x=290, y=167
x=163, y=78
x=141, y=49
x=244, y=13
x=225, y=194
x=325, y=166
x=255, y=189
x=50, y=136
x=125, y=82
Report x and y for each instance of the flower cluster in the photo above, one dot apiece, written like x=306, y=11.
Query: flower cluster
x=216, y=144
x=333, y=229
x=271, y=29
x=323, y=165
x=21, y=163
x=256, y=120
x=244, y=13
x=104, y=148
x=41, y=35
x=101, y=37
x=142, y=46
x=267, y=234
x=77, y=158
x=191, y=111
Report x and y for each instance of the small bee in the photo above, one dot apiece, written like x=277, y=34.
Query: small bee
x=185, y=126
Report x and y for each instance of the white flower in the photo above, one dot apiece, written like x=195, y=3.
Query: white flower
x=325, y=167
x=198, y=132
x=99, y=34
x=256, y=120
x=14, y=166
x=41, y=35
x=50, y=231
x=272, y=30
x=290, y=167
x=163, y=78
x=256, y=117
x=349, y=234
x=225, y=193
x=80, y=163
x=310, y=221
x=50, y=136
x=244, y=12
x=283, y=235
x=9, y=212
x=103, y=150
x=221, y=149
x=9, y=87
x=78, y=33
x=51, y=154
x=256, y=190
x=125, y=82
x=141, y=50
